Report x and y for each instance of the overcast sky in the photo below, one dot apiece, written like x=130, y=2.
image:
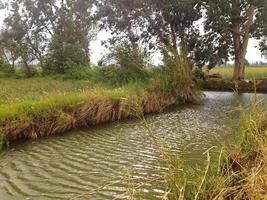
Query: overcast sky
x=97, y=50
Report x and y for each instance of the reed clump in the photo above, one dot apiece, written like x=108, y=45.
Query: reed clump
x=238, y=171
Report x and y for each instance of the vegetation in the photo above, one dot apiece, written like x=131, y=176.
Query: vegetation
x=45, y=106
x=251, y=72
x=230, y=24
x=49, y=85
x=6, y=70
x=238, y=171
x=19, y=90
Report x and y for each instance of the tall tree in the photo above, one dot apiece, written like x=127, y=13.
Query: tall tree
x=231, y=23
x=32, y=25
x=75, y=24
x=168, y=25
x=13, y=38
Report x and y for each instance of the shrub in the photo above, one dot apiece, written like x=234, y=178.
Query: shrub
x=127, y=56
x=117, y=76
x=79, y=72
x=26, y=73
x=199, y=74
x=63, y=56
x=6, y=70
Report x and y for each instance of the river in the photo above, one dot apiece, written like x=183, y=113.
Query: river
x=109, y=161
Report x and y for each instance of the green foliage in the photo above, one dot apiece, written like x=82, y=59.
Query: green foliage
x=39, y=108
x=129, y=57
x=34, y=89
x=26, y=73
x=63, y=56
x=79, y=72
x=167, y=79
x=6, y=69
x=117, y=77
x=198, y=73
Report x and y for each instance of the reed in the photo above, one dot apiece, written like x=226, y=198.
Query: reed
x=238, y=171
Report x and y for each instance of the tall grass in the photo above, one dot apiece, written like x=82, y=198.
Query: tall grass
x=56, y=114
x=19, y=90
x=251, y=72
x=238, y=171
x=79, y=80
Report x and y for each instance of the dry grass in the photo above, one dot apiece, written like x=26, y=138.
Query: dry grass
x=238, y=173
x=93, y=107
x=251, y=72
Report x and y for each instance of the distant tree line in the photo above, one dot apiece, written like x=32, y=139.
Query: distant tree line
x=57, y=34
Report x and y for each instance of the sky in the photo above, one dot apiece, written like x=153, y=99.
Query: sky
x=98, y=51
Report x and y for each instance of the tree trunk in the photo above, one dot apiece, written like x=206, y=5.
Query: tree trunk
x=185, y=64
x=28, y=73
x=241, y=45
x=239, y=69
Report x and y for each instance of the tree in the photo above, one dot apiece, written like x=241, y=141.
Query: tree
x=72, y=32
x=2, y=6
x=167, y=25
x=13, y=39
x=75, y=25
x=230, y=24
x=63, y=56
x=33, y=25
x=127, y=56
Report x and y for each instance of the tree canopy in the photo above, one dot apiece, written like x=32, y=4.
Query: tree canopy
x=57, y=32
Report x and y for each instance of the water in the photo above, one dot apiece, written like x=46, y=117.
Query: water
x=89, y=164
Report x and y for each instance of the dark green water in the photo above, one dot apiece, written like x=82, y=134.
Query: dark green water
x=76, y=165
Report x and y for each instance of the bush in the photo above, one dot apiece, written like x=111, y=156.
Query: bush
x=26, y=73
x=117, y=76
x=62, y=57
x=79, y=72
x=126, y=56
x=199, y=74
x=6, y=70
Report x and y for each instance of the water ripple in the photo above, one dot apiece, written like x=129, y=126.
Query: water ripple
x=78, y=164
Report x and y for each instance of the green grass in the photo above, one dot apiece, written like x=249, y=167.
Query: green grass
x=20, y=90
x=43, y=96
x=251, y=72
x=39, y=108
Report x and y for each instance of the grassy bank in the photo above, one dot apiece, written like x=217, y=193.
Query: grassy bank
x=37, y=107
x=238, y=171
x=257, y=77
x=228, y=85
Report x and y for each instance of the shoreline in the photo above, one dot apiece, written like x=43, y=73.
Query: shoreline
x=91, y=109
x=259, y=86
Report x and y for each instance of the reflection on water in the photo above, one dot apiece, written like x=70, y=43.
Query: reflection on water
x=78, y=164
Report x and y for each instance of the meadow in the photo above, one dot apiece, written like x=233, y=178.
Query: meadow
x=19, y=90
x=252, y=72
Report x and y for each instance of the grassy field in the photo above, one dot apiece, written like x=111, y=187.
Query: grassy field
x=18, y=90
x=251, y=72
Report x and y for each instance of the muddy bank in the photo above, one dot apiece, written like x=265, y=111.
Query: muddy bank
x=226, y=85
